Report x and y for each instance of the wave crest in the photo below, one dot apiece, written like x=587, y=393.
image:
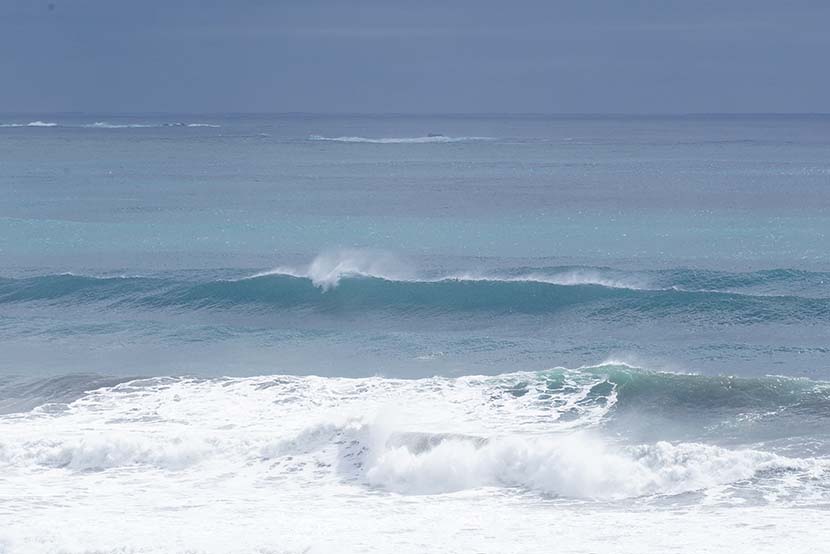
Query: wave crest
x=354, y=286
x=545, y=433
x=327, y=269
x=30, y=124
x=107, y=125
x=400, y=140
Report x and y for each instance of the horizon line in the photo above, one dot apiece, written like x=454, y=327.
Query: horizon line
x=415, y=114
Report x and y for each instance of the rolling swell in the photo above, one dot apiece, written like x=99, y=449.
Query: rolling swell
x=359, y=294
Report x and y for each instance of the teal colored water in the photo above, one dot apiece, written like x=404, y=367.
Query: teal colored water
x=412, y=246
x=308, y=333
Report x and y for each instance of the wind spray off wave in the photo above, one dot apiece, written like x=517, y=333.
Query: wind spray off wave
x=359, y=281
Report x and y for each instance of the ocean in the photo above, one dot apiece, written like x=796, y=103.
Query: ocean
x=435, y=333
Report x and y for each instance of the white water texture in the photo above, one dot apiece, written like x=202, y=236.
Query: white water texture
x=310, y=464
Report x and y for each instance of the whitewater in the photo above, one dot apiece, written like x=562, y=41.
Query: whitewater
x=306, y=333
x=290, y=464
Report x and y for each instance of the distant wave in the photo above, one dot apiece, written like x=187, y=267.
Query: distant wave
x=107, y=125
x=41, y=124
x=400, y=140
x=30, y=124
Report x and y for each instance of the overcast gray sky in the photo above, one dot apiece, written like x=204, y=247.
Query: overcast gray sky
x=414, y=56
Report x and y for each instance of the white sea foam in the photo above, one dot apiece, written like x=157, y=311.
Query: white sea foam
x=400, y=140
x=574, y=466
x=563, y=278
x=30, y=124
x=107, y=125
x=261, y=464
x=101, y=451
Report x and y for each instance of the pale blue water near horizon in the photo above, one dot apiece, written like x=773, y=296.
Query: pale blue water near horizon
x=511, y=314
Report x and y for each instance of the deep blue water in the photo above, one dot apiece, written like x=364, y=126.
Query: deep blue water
x=412, y=246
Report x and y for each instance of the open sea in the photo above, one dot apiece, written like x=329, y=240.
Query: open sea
x=494, y=334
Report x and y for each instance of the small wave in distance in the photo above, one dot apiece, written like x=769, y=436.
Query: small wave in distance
x=400, y=140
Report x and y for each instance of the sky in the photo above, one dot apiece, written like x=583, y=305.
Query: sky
x=414, y=56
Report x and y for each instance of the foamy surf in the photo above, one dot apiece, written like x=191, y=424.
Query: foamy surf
x=30, y=124
x=108, y=125
x=267, y=458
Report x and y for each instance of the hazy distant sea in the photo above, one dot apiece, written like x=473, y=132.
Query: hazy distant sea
x=294, y=333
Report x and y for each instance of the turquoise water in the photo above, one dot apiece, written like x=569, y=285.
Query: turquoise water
x=692, y=243
x=308, y=333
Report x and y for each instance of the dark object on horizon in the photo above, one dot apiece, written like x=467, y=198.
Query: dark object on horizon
x=434, y=135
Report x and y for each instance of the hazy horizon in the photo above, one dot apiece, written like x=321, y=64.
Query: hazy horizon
x=372, y=276
x=424, y=114
x=393, y=57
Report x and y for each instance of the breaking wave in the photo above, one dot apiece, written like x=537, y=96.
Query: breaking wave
x=574, y=467
x=355, y=293
x=546, y=432
x=30, y=124
x=400, y=140
x=108, y=125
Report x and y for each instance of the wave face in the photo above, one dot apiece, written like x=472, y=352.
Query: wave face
x=348, y=292
x=371, y=311
x=370, y=447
